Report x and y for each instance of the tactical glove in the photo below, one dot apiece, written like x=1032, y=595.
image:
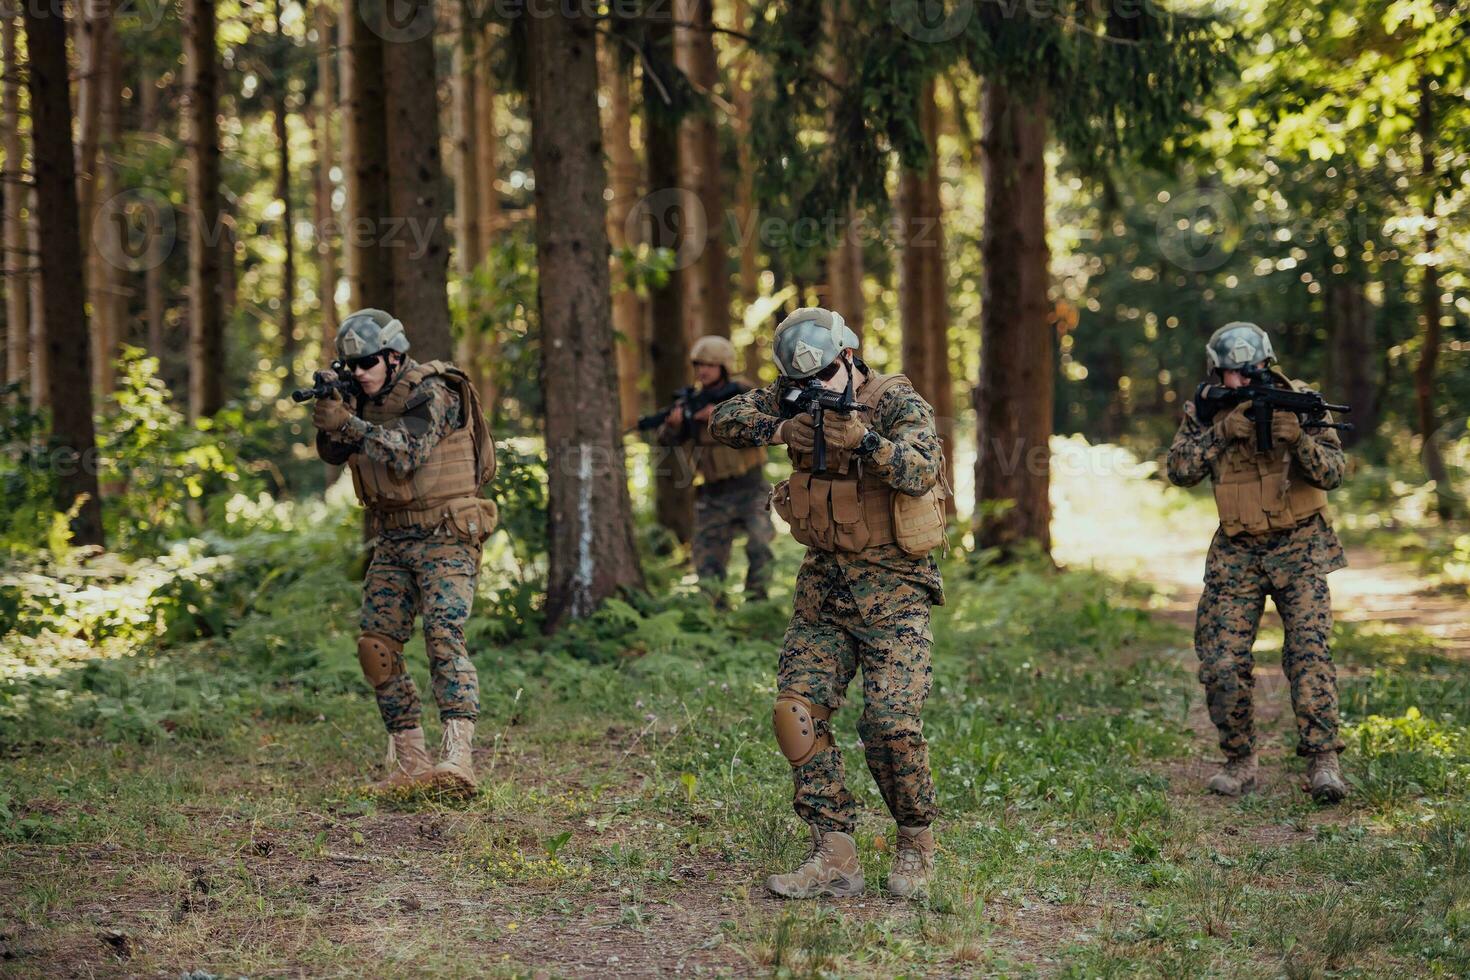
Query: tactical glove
x=798, y=433
x=1235, y=425
x=1286, y=428
x=330, y=414
x=844, y=431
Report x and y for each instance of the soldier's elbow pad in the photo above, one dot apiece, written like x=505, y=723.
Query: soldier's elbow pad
x=801, y=727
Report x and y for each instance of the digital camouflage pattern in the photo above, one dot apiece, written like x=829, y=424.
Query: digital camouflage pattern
x=1291, y=566
x=405, y=442
x=434, y=575
x=868, y=610
x=416, y=570
x=722, y=510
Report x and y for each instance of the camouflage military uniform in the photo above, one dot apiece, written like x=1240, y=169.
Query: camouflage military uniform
x=1291, y=566
x=722, y=509
x=868, y=609
x=417, y=569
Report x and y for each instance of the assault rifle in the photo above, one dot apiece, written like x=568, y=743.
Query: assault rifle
x=694, y=401
x=323, y=383
x=1266, y=397
x=816, y=399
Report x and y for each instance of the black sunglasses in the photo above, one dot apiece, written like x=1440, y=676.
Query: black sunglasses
x=830, y=371
x=361, y=363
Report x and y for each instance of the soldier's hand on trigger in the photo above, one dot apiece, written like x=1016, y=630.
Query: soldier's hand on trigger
x=844, y=431
x=1286, y=428
x=1235, y=425
x=330, y=413
x=676, y=416
x=798, y=433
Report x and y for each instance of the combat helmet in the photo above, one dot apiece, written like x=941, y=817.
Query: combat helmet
x=369, y=331
x=1238, y=345
x=810, y=339
x=714, y=350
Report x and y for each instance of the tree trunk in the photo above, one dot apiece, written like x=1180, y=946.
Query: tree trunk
x=743, y=97
x=924, y=288
x=627, y=308
x=487, y=147
x=1013, y=400
x=1352, y=357
x=590, y=521
x=365, y=152
x=707, y=282
x=283, y=194
x=73, y=439
x=150, y=119
x=416, y=186
x=673, y=488
x=323, y=212
x=1429, y=307
x=18, y=261
x=40, y=361
x=206, y=313
x=467, y=183
x=93, y=42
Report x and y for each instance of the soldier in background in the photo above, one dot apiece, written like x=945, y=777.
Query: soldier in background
x=731, y=494
x=1274, y=539
x=419, y=450
x=869, y=520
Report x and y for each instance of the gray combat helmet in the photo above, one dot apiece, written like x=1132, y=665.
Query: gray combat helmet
x=369, y=331
x=809, y=340
x=1238, y=345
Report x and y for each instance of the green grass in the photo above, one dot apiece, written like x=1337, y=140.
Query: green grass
x=168, y=806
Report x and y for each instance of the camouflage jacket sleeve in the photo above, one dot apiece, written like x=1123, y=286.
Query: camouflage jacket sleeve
x=746, y=420
x=907, y=457
x=1320, y=459
x=405, y=443
x=1194, y=451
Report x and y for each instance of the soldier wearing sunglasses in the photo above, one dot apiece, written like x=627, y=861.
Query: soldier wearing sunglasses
x=419, y=449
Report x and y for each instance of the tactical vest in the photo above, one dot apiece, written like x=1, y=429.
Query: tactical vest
x=717, y=461
x=1257, y=493
x=446, y=487
x=848, y=510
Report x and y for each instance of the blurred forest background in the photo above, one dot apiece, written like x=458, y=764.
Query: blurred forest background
x=1039, y=215
x=1037, y=211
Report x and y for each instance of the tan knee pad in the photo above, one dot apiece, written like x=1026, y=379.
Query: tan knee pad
x=381, y=657
x=801, y=727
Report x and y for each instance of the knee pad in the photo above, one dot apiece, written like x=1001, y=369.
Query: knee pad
x=801, y=727
x=381, y=657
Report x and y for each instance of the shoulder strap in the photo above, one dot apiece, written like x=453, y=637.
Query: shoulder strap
x=879, y=385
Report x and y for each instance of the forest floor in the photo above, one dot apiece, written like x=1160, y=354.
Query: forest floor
x=201, y=809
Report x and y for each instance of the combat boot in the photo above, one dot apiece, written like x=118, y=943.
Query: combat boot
x=831, y=868
x=408, y=763
x=1238, y=776
x=1324, y=777
x=913, y=862
x=456, y=768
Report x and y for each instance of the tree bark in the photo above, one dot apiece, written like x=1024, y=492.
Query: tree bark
x=673, y=487
x=417, y=191
x=283, y=194
x=1013, y=400
x=627, y=308
x=487, y=147
x=590, y=523
x=467, y=182
x=707, y=282
x=1352, y=359
x=150, y=119
x=40, y=361
x=1429, y=307
x=93, y=41
x=73, y=439
x=206, y=312
x=324, y=214
x=743, y=97
x=18, y=261
x=365, y=152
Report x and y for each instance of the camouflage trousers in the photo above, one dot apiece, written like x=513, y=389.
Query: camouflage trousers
x=819, y=658
x=722, y=510
x=1291, y=567
x=434, y=576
